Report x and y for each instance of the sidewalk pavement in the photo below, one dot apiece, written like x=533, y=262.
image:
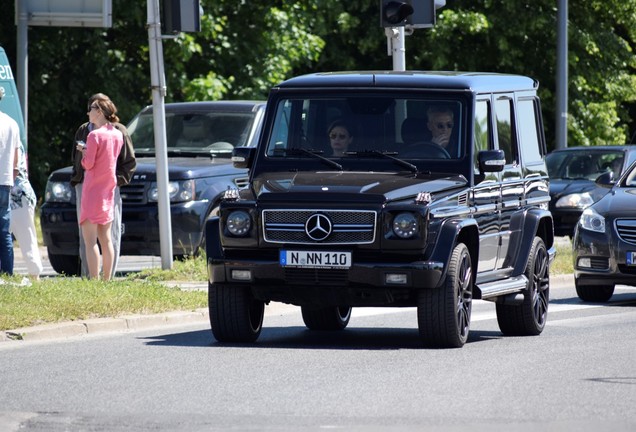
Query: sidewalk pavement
x=133, y=323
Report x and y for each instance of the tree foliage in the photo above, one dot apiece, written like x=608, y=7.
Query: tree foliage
x=245, y=47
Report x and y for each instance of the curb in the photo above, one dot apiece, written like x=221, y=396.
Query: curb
x=104, y=325
x=132, y=323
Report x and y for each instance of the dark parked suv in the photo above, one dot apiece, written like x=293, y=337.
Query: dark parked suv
x=396, y=220
x=200, y=140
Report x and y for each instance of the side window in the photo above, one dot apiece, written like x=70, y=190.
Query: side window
x=505, y=130
x=530, y=144
x=481, y=129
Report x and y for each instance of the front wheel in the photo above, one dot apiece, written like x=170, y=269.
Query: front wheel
x=596, y=293
x=235, y=315
x=326, y=318
x=529, y=318
x=443, y=314
x=68, y=265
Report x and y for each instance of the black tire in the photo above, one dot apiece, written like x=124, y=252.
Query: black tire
x=594, y=293
x=443, y=314
x=529, y=318
x=327, y=318
x=235, y=315
x=68, y=265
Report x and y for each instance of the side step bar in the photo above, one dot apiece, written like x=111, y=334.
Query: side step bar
x=489, y=290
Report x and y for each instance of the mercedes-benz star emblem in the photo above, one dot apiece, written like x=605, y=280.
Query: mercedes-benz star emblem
x=318, y=227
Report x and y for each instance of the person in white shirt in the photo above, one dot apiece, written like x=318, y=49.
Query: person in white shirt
x=9, y=144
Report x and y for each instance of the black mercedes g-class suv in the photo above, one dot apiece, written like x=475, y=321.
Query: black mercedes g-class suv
x=398, y=220
x=200, y=139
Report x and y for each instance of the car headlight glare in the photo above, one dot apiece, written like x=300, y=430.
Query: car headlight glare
x=239, y=223
x=592, y=221
x=405, y=225
x=178, y=191
x=58, y=192
x=578, y=201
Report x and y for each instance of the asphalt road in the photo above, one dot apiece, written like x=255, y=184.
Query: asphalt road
x=578, y=375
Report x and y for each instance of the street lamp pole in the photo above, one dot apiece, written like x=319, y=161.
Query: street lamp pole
x=562, y=76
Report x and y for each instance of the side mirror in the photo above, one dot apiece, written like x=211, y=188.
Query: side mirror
x=606, y=179
x=491, y=161
x=242, y=157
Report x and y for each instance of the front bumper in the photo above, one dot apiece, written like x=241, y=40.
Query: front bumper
x=140, y=236
x=363, y=284
x=607, y=264
x=565, y=221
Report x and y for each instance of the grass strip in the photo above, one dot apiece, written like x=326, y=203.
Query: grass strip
x=68, y=299
x=57, y=299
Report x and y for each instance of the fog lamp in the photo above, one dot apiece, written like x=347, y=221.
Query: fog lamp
x=395, y=278
x=585, y=262
x=242, y=275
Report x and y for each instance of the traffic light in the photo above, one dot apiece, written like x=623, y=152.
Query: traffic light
x=414, y=13
x=181, y=16
x=394, y=13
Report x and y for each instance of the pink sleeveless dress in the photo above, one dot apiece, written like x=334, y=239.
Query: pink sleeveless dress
x=98, y=189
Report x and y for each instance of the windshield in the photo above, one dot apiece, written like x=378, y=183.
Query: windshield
x=584, y=164
x=364, y=125
x=204, y=132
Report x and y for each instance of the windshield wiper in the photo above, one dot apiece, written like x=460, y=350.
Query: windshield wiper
x=313, y=153
x=387, y=155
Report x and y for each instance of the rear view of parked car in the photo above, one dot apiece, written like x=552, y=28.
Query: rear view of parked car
x=577, y=175
x=200, y=140
x=605, y=242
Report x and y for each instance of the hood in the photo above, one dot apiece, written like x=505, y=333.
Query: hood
x=560, y=188
x=186, y=167
x=347, y=186
x=178, y=169
x=619, y=203
x=566, y=187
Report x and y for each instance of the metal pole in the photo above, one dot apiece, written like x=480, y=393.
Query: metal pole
x=562, y=76
x=23, y=65
x=398, y=49
x=158, y=83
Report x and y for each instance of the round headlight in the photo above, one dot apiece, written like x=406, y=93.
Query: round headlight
x=592, y=221
x=239, y=223
x=405, y=225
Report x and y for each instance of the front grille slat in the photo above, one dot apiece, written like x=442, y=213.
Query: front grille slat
x=347, y=226
x=133, y=193
x=626, y=229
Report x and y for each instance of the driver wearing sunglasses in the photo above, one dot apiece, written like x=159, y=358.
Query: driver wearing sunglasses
x=440, y=123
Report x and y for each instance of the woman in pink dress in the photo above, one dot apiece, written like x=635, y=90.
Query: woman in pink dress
x=99, y=158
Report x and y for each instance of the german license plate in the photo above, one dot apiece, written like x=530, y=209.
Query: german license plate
x=631, y=258
x=315, y=259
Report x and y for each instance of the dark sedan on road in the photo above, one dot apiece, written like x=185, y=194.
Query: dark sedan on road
x=573, y=173
x=604, y=244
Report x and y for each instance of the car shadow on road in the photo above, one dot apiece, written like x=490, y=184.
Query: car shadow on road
x=297, y=337
x=619, y=298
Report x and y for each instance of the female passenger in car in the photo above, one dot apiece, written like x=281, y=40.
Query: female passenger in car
x=340, y=137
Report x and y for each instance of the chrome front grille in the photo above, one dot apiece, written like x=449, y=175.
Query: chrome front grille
x=347, y=226
x=626, y=229
x=133, y=193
